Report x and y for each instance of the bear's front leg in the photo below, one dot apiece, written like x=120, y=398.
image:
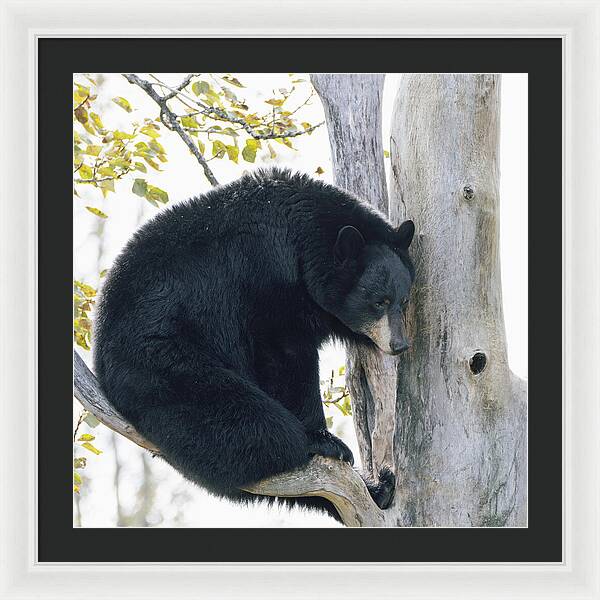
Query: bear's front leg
x=308, y=407
x=291, y=375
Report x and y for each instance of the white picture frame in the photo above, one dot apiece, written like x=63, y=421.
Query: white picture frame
x=576, y=22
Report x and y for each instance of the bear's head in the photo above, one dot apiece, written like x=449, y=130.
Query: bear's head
x=378, y=278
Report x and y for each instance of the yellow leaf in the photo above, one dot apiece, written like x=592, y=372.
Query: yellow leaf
x=81, y=341
x=76, y=489
x=88, y=290
x=232, y=81
x=86, y=437
x=80, y=462
x=85, y=172
x=93, y=150
x=97, y=212
x=320, y=171
x=123, y=103
x=91, y=448
x=76, y=477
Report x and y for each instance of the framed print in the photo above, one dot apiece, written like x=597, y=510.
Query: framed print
x=470, y=283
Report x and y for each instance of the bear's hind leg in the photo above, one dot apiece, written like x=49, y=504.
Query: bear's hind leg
x=224, y=433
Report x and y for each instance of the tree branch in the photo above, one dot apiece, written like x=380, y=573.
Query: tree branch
x=87, y=391
x=220, y=114
x=170, y=121
x=326, y=477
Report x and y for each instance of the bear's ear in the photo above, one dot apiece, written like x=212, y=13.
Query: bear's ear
x=349, y=244
x=404, y=234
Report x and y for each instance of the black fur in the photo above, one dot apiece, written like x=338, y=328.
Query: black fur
x=210, y=320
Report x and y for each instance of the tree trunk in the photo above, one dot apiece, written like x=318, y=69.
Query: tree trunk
x=352, y=106
x=462, y=423
x=455, y=432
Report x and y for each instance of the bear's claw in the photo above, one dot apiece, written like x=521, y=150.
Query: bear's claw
x=324, y=443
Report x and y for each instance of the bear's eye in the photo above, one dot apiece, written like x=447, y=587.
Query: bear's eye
x=382, y=303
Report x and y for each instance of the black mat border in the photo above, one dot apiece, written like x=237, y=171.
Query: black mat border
x=541, y=58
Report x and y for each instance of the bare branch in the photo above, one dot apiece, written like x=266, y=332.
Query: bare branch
x=332, y=479
x=170, y=121
x=222, y=115
x=325, y=477
x=173, y=92
x=87, y=391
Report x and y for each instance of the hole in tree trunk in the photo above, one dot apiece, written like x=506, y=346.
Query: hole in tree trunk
x=478, y=362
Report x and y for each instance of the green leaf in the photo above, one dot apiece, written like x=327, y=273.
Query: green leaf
x=107, y=171
x=140, y=187
x=200, y=87
x=152, y=163
x=155, y=194
x=93, y=150
x=219, y=149
x=102, y=274
x=232, y=153
x=230, y=131
x=97, y=211
x=121, y=135
x=156, y=146
x=97, y=121
x=329, y=422
x=79, y=462
x=201, y=146
x=253, y=143
x=189, y=122
x=249, y=153
x=150, y=130
x=91, y=448
x=123, y=103
x=106, y=186
x=140, y=166
x=213, y=98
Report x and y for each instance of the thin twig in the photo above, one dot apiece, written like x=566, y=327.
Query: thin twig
x=180, y=87
x=170, y=121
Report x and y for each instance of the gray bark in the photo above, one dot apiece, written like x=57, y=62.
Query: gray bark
x=352, y=106
x=88, y=393
x=459, y=437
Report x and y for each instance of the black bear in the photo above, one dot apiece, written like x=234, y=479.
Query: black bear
x=210, y=321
